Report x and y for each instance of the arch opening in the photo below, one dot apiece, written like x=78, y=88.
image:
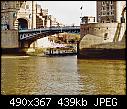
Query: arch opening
x=22, y=24
x=123, y=18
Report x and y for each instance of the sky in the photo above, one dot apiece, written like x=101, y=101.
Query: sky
x=69, y=12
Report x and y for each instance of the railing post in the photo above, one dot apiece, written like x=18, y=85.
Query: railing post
x=61, y=29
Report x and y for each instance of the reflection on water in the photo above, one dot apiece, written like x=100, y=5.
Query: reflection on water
x=61, y=75
x=102, y=76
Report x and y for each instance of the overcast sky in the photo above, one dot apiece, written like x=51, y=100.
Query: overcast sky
x=69, y=12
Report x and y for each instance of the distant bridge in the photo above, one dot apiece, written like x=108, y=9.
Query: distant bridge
x=34, y=34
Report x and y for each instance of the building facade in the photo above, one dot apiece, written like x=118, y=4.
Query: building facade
x=41, y=17
x=25, y=15
x=110, y=11
x=18, y=15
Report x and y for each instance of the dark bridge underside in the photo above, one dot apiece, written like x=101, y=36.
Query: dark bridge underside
x=29, y=36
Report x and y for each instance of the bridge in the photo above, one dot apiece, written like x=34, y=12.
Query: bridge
x=37, y=33
x=30, y=35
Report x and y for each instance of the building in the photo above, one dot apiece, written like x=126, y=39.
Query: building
x=110, y=26
x=18, y=15
x=25, y=15
x=88, y=19
x=110, y=11
x=41, y=17
x=54, y=22
x=44, y=20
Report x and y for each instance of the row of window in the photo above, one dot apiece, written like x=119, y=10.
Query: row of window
x=5, y=17
x=4, y=5
x=107, y=8
x=103, y=13
x=107, y=2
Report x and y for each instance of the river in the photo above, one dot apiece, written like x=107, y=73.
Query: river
x=63, y=75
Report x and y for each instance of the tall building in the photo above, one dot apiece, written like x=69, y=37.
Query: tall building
x=110, y=11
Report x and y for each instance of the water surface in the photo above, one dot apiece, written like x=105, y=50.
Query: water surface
x=27, y=75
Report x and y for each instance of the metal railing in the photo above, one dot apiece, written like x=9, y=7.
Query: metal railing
x=50, y=28
x=32, y=33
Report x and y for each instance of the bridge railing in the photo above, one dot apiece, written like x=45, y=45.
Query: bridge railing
x=50, y=28
x=31, y=33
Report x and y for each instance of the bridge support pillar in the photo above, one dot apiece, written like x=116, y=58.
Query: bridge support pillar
x=10, y=42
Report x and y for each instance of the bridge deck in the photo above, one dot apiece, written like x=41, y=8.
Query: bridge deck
x=36, y=33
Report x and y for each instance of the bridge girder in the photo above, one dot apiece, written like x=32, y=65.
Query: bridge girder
x=29, y=36
x=40, y=33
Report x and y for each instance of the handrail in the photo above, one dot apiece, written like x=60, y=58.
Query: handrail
x=50, y=28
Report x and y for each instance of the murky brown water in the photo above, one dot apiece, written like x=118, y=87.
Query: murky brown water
x=61, y=75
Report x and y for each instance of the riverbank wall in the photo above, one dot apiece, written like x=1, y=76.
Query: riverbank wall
x=101, y=53
x=102, y=41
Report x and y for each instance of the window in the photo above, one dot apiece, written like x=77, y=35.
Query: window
x=4, y=5
x=103, y=8
x=21, y=4
x=111, y=7
x=111, y=2
x=105, y=36
x=6, y=17
x=103, y=13
x=17, y=5
x=30, y=16
x=94, y=19
x=14, y=15
x=108, y=8
x=103, y=3
x=111, y=13
x=27, y=6
x=107, y=13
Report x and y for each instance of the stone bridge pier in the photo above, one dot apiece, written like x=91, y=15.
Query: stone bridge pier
x=100, y=33
x=11, y=44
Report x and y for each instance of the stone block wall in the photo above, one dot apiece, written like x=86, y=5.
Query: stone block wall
x=99, y=33
x=9, y=39
x=90, y=40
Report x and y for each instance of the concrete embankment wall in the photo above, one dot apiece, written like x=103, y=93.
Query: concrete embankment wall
x=98, y=53
x=9, y=39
